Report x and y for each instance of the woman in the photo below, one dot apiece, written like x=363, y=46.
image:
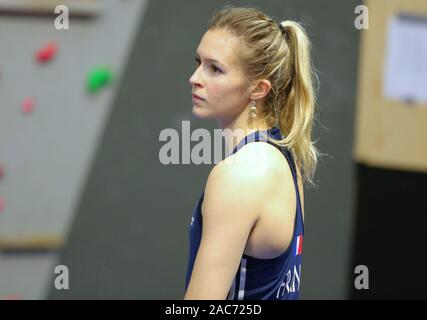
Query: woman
x=254, y=76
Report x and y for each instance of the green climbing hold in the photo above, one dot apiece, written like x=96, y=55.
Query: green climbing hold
x=98, y=78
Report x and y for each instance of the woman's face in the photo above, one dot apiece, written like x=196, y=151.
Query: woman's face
x=220, y=83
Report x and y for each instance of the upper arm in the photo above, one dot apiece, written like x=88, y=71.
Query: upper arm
x=230, y=210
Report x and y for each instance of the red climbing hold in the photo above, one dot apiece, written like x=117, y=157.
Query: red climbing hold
x=28, y=105
x=47, y=52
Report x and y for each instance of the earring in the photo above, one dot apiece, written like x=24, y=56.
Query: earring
x=252, y=109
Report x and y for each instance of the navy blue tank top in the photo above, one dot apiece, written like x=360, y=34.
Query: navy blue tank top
x=278, y=278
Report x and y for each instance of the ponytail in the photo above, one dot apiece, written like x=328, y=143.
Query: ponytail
x=298, y=100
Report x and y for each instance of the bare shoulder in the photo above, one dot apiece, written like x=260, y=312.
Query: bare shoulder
x=249, y=175
x=265, y=159
x=260, y=155
x=257, y=160
x=263, y=167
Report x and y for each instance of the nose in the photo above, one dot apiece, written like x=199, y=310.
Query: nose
x=194, y=79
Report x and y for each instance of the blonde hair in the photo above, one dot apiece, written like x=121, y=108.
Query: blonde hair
x=283, y=59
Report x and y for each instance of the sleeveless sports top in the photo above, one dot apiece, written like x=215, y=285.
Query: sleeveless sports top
x=278, y=278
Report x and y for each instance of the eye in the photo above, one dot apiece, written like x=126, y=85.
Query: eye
x=215, y=69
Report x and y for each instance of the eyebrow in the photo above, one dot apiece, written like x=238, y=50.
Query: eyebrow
x=208, y=59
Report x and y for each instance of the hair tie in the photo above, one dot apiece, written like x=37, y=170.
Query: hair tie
x=281, y=27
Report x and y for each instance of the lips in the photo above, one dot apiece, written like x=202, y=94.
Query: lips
x=197, y=97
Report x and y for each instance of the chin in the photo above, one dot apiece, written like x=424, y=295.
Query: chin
x=201, y=113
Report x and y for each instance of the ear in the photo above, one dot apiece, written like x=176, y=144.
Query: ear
x=260, y=89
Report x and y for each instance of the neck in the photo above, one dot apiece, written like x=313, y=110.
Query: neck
x=236, y=129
